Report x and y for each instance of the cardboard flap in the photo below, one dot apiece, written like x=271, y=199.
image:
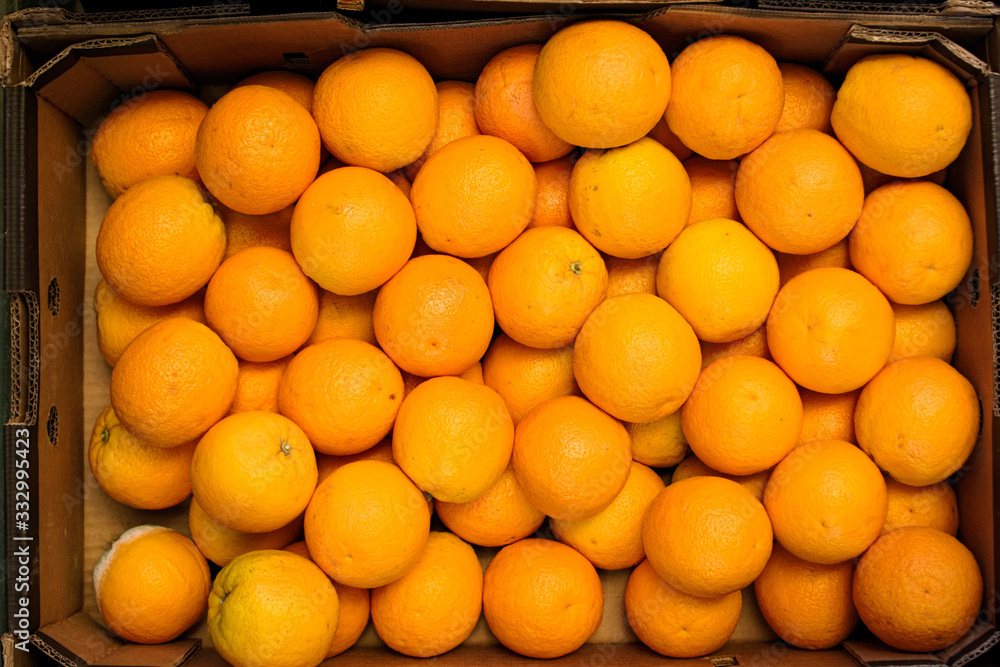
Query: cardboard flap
x=87, y=79
x=946, y=8
x=860, y=41
x=80, y=641
x=873, y=653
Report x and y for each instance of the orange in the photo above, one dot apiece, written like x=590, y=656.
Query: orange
x=876, y=179
x=151, y=585
x=720, y=277
x=571, y=459
x=400, y=181
x=713, y=188
x=743, y=416
x=830, y=330
x=161, y=243
x=913, y=241
x=552, y=200
x=790, y=266
x=500, y=516
x=473, y=373
x=221, y=544
x=254, y=601
x=902, y=115
x=628, y=276
x=692, y=466
x=612, y=539
x=934, y=506
x=257, y=149
x=132, y=472
x=828, y=416
x=344, y=394
x=927, y=330
x=434, y=317
x=352, y=617
x=918, y=589
x=352, y=230
x=718, y=116
x=376, y=108
x=257, y=385
x=636, y=358
x=919, y=420
x=255, y=471
x=297, y=85
x=827, y=501
x=800, y=191
x=327, y=463
x=474, y=196
x=659, y=443
x=601, y=84
x=367, y=524
x=120, y=320
x=545, y=284
x=808, y=99
x=246, y=231
x=151, y=134
x=435, y=606
x=808, y=604
x=482, y=264
x=706, y=536
x=630, y=201
x=456, y=119
x=541, y=598
x=261, y=304
x=754, y=345
x=453, y=438
x=173, y=382
x=676, y=624
x=662, y=133
x=526, y=377
x=505, y=105
x=345, y=317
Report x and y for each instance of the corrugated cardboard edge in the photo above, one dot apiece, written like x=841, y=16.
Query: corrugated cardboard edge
x=78, y=641
x=958, y=59
x=97, y=57
x=947, y=8
x=20, y=278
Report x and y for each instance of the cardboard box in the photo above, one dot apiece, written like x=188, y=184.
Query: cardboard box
x=62, y=72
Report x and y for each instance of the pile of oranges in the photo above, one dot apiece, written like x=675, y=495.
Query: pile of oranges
x=690, y=313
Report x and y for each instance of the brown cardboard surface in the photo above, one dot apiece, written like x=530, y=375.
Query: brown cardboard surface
x=121, y=68
x=76, y=513
x=735, y=653
x=60, y=236
x=205, y=41
x=79, y=640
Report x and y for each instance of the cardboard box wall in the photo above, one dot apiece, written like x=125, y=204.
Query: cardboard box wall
x=63, y=72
